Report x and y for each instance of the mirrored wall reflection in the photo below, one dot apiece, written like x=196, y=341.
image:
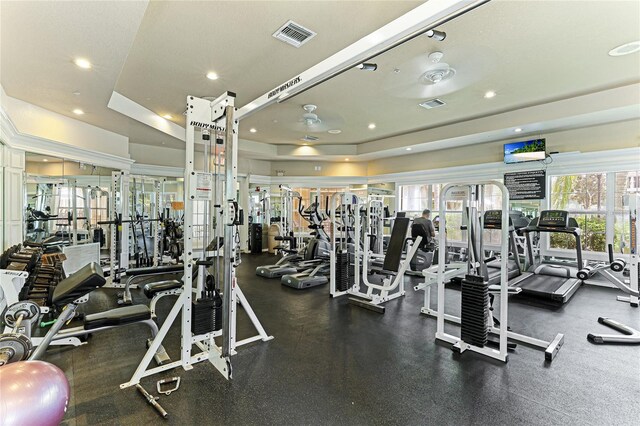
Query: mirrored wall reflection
x=73, y=203
x=65, y=200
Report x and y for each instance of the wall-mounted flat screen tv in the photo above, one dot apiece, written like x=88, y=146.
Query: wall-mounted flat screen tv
x=518, y=152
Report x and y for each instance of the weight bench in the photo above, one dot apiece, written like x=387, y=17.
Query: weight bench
x=156, y=291
x=78, y=285
x=134, y=276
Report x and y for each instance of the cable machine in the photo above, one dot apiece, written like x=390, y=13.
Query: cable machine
x=215, y=117
x=476, y=320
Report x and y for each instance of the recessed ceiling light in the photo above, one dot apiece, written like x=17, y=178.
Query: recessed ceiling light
x=490, y=94
x=625, y=49
x=76, y=93
x=408, y=149
x=45, y=160
x=334, y=131
x=372, y=126
x=252, y=130
x=517, y=130
x=167, y=116
x=212, y=75
x=82, y=63
x=78, y=111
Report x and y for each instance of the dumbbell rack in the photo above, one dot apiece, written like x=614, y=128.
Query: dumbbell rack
x=33, y=280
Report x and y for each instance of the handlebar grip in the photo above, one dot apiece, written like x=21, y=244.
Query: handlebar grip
x=610, y=249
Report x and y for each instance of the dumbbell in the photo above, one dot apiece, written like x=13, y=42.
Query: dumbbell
x=16, y=346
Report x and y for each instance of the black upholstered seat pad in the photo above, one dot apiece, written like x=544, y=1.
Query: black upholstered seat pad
x=76, y=285
x=154, y=270
x=118, y=316
x=151, y=289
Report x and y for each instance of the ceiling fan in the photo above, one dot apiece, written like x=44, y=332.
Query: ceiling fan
x=310, y=122
x=309, y=118
x=429, y=75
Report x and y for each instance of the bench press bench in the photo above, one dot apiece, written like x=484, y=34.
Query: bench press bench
x=78, y=285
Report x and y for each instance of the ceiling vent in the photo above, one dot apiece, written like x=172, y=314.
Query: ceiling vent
x=294, y=34
x=309, y=138
x=432, y=103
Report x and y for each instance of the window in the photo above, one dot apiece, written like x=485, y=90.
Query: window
x=65, y=208
x=624, y=181
x=414, y=198
x=584, y=197
x=98, y=203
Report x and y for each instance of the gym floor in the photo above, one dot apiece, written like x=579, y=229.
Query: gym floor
x=333, y=363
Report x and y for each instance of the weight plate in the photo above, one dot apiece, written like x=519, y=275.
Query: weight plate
x=18, y=345
x=27, y=308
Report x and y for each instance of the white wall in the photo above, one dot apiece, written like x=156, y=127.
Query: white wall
x=589, y=139
x=307, y=168
x=33, y=120
x=11, y=217
x=171, y=157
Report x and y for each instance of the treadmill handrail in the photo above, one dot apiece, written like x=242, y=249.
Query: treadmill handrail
x=528, y=229
x=574, y=231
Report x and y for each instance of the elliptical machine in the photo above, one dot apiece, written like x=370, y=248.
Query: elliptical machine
x=317, y=267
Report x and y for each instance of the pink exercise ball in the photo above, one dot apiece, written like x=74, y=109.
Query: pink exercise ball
x=32, y=393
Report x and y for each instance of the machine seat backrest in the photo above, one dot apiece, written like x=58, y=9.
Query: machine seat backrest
x=393, y=255
x=418, y=230
x=78, y=284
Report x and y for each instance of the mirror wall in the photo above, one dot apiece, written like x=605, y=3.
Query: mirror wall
x=67, y=202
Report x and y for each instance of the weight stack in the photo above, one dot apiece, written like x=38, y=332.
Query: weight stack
x=475, y=310
x=206, y=315
x=255, y=238
x=342, y=271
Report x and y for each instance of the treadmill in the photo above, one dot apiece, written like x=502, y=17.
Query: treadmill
x=547, y=281
x=493, y=220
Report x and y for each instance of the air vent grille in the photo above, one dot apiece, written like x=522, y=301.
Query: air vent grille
x=432, y=103
x=294, y=34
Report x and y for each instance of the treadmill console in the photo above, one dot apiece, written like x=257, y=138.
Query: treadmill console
x=493, y=219
x=554, y=219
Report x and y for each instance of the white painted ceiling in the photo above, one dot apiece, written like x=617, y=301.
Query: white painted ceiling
x=529, y=52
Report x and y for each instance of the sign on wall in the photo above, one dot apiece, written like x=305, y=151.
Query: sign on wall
x=529, y=185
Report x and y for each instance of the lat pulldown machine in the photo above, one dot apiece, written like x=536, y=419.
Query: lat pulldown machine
x=211, y=117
